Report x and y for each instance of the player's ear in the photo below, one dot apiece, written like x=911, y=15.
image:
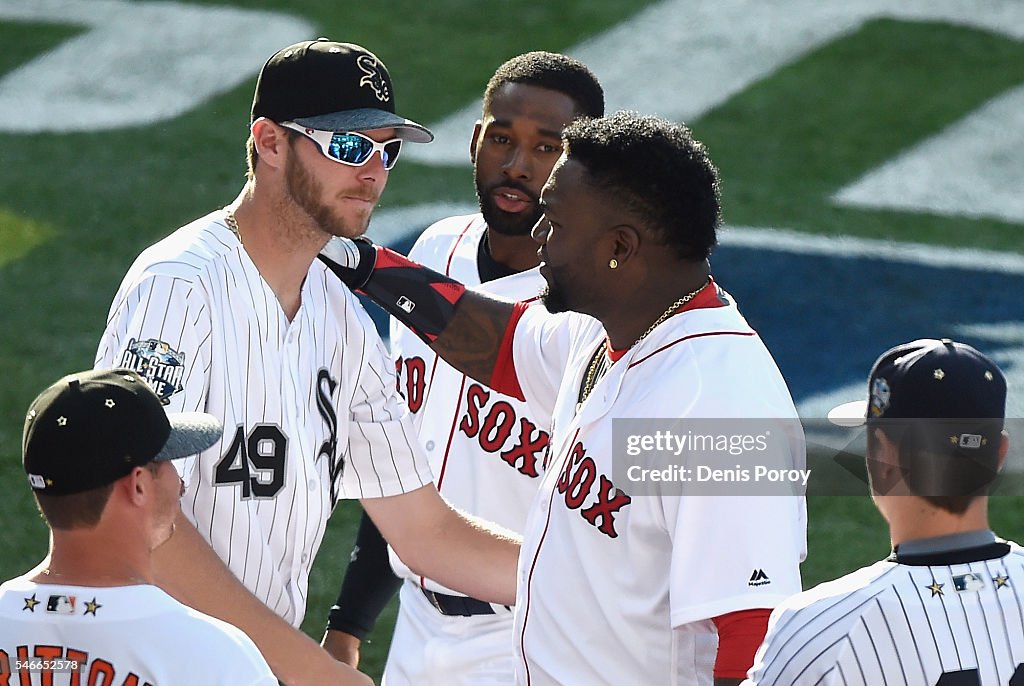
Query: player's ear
x=625, y=242
x=882, y=462
x=271, y=141
x=135, y=485
x=1004, y=448
x=473, y=141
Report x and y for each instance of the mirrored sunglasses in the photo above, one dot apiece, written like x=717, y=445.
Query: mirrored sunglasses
x=351, y=148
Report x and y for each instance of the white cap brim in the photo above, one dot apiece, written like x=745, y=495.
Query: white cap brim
x=849, y=414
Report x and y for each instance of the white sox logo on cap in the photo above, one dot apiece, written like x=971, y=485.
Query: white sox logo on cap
x=373, y=77
x=879, y=397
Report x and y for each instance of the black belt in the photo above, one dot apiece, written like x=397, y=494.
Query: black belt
x=458, y=605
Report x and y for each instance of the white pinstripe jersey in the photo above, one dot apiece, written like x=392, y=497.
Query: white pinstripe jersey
x=119, y=635
x=617, y=587
x=309, y=406
x=958, y=624
x=485, y=449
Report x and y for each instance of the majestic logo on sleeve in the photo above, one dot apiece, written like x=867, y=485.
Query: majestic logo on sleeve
x=158, y=363
x=374, y=79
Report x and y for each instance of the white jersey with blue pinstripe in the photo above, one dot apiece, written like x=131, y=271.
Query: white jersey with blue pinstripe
x=891, y=624
x=310, y=406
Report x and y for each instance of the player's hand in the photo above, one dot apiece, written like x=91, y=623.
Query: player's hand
x=352, y=261
x=342, y=646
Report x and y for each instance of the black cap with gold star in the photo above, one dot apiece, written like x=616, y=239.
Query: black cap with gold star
x=961, y=391
x=91, y=428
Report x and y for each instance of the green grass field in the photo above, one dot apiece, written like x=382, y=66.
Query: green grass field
x=75, y=208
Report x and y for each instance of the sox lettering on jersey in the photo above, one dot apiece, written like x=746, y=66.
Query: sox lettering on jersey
x=495, y=428
x=329, y=448
x=415, y=381
x=576, y=483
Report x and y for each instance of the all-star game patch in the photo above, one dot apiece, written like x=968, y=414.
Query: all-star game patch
x=157, y=362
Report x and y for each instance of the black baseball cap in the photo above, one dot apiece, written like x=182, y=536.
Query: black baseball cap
x=331, y=86
x=91, y=428
x=950, y=384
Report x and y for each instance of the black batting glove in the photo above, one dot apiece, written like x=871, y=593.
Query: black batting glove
x=351, y=260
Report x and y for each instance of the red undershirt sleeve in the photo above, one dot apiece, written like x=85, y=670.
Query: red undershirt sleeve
x=740, y=634
x=504, y=379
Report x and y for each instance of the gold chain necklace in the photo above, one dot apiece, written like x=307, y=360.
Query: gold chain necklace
x=600, y=361
x=232, y=223
x=670, y=311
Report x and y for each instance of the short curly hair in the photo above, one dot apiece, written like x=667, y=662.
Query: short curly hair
x=659, y=170
x=555, y=72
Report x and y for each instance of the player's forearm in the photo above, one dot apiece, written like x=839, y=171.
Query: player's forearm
x=464, y=327
x=188, y=569
x=434, y=540
x=368, y=586
x=482, y=563
x=472, y=339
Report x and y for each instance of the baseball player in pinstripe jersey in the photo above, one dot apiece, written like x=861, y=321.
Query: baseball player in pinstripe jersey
x=485, y=448
x=618, y=586
x=232, y=315
x=947, y=607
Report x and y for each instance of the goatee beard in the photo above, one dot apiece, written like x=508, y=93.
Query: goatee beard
x=503, y=222
x=554, y=300
x=304, y=190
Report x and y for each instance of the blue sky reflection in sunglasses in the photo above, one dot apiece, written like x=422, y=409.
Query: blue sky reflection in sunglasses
x=351, y=148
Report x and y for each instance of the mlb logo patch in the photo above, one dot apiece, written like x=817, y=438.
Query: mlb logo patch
x=967, y=583
x=405, y=304
x=61, y=604
x=37, y=482
x=972, y=441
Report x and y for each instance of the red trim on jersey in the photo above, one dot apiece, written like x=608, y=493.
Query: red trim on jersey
x=451, y=434
x=533, y=565
x=433, y=370
x=686, y=338
x=613, y=354
x=708, y=297
x=504, y=379
x=451, y=254
x=740, y=634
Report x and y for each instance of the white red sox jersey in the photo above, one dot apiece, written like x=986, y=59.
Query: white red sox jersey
x=310, y=406
x=125, y=635
x=956, y=620
x=485, y=449
x=617, y=588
